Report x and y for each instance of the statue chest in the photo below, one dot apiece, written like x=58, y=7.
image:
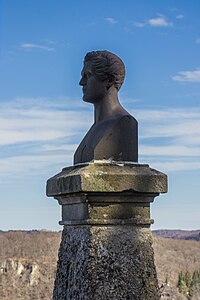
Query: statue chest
x=94, y=140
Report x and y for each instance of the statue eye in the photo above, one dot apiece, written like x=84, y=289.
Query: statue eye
x=89, y=74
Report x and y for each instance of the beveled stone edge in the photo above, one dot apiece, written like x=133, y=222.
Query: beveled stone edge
x=79, y=178
x=108, y=198
x=109, y=222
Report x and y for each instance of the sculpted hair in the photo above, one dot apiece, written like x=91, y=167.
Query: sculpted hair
x=107, y=65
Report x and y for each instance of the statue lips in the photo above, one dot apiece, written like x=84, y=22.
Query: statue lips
x=84, y=93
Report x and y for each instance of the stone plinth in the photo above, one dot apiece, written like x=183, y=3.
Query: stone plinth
x=106, y=249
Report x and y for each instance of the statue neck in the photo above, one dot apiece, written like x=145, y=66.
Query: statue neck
x=109, y=107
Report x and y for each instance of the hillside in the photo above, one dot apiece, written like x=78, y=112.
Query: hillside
x=179, y=234
x=28, y=264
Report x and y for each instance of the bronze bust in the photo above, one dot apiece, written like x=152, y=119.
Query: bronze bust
x=114, y=134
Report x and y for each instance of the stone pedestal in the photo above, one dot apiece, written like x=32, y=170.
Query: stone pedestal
x=106, y=249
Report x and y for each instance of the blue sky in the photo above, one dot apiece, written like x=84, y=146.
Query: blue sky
x=43, y=119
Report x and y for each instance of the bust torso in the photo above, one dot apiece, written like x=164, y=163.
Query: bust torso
x=110, y=139
x=114, y=134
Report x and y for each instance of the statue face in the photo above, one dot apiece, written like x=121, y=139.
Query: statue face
x=94, y=90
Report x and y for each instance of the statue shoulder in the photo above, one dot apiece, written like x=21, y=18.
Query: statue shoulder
x=127, y=121
x=120, y=141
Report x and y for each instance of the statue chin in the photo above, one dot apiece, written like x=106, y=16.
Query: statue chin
x=86, y=99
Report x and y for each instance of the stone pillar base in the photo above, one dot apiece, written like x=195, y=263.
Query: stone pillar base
x=106, y=250
x=106, y=262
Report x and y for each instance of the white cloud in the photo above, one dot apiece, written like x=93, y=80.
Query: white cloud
x=169, y=138
x=111, y=21
x=56, y=148
x=169, y=166
x=169, y=150
x=37, y=134
x=34, y=125
x=139, y=24
x=179, y=127
x=174, y=129
x=179, y=17
x=167, y=115
x=159, y=22
x=33, y=121
x=50, y=41
x=19, y=166
x=29, y=46
x=188, y=76
x=190, y=139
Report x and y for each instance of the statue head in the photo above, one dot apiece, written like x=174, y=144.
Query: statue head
x=102, y=70
x=107, y=65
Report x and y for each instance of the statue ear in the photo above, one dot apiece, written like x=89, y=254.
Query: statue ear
x=110, y=81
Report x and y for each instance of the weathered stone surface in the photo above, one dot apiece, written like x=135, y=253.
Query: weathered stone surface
x=106, y=209
x=106, y=262
x=107, y=177
x=106, y=249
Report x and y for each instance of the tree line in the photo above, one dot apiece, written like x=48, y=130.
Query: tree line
x=189, y=283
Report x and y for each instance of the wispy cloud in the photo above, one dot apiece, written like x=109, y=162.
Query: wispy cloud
x=170, y=166
x=20, y=165
x=111, y=21
x=140, y=24
x=34, y=123
x=180, y=17
x=30, y=46
x=169, y=138
x=32, y=141
x=169, y=150
x=188, y=76
x=48, y=41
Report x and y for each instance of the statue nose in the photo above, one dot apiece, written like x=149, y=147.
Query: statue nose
x=81, y=82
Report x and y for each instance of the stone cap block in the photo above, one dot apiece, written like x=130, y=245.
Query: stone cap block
x=107, y=176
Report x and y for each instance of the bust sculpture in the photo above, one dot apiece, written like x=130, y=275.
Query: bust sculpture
x=114, y=134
